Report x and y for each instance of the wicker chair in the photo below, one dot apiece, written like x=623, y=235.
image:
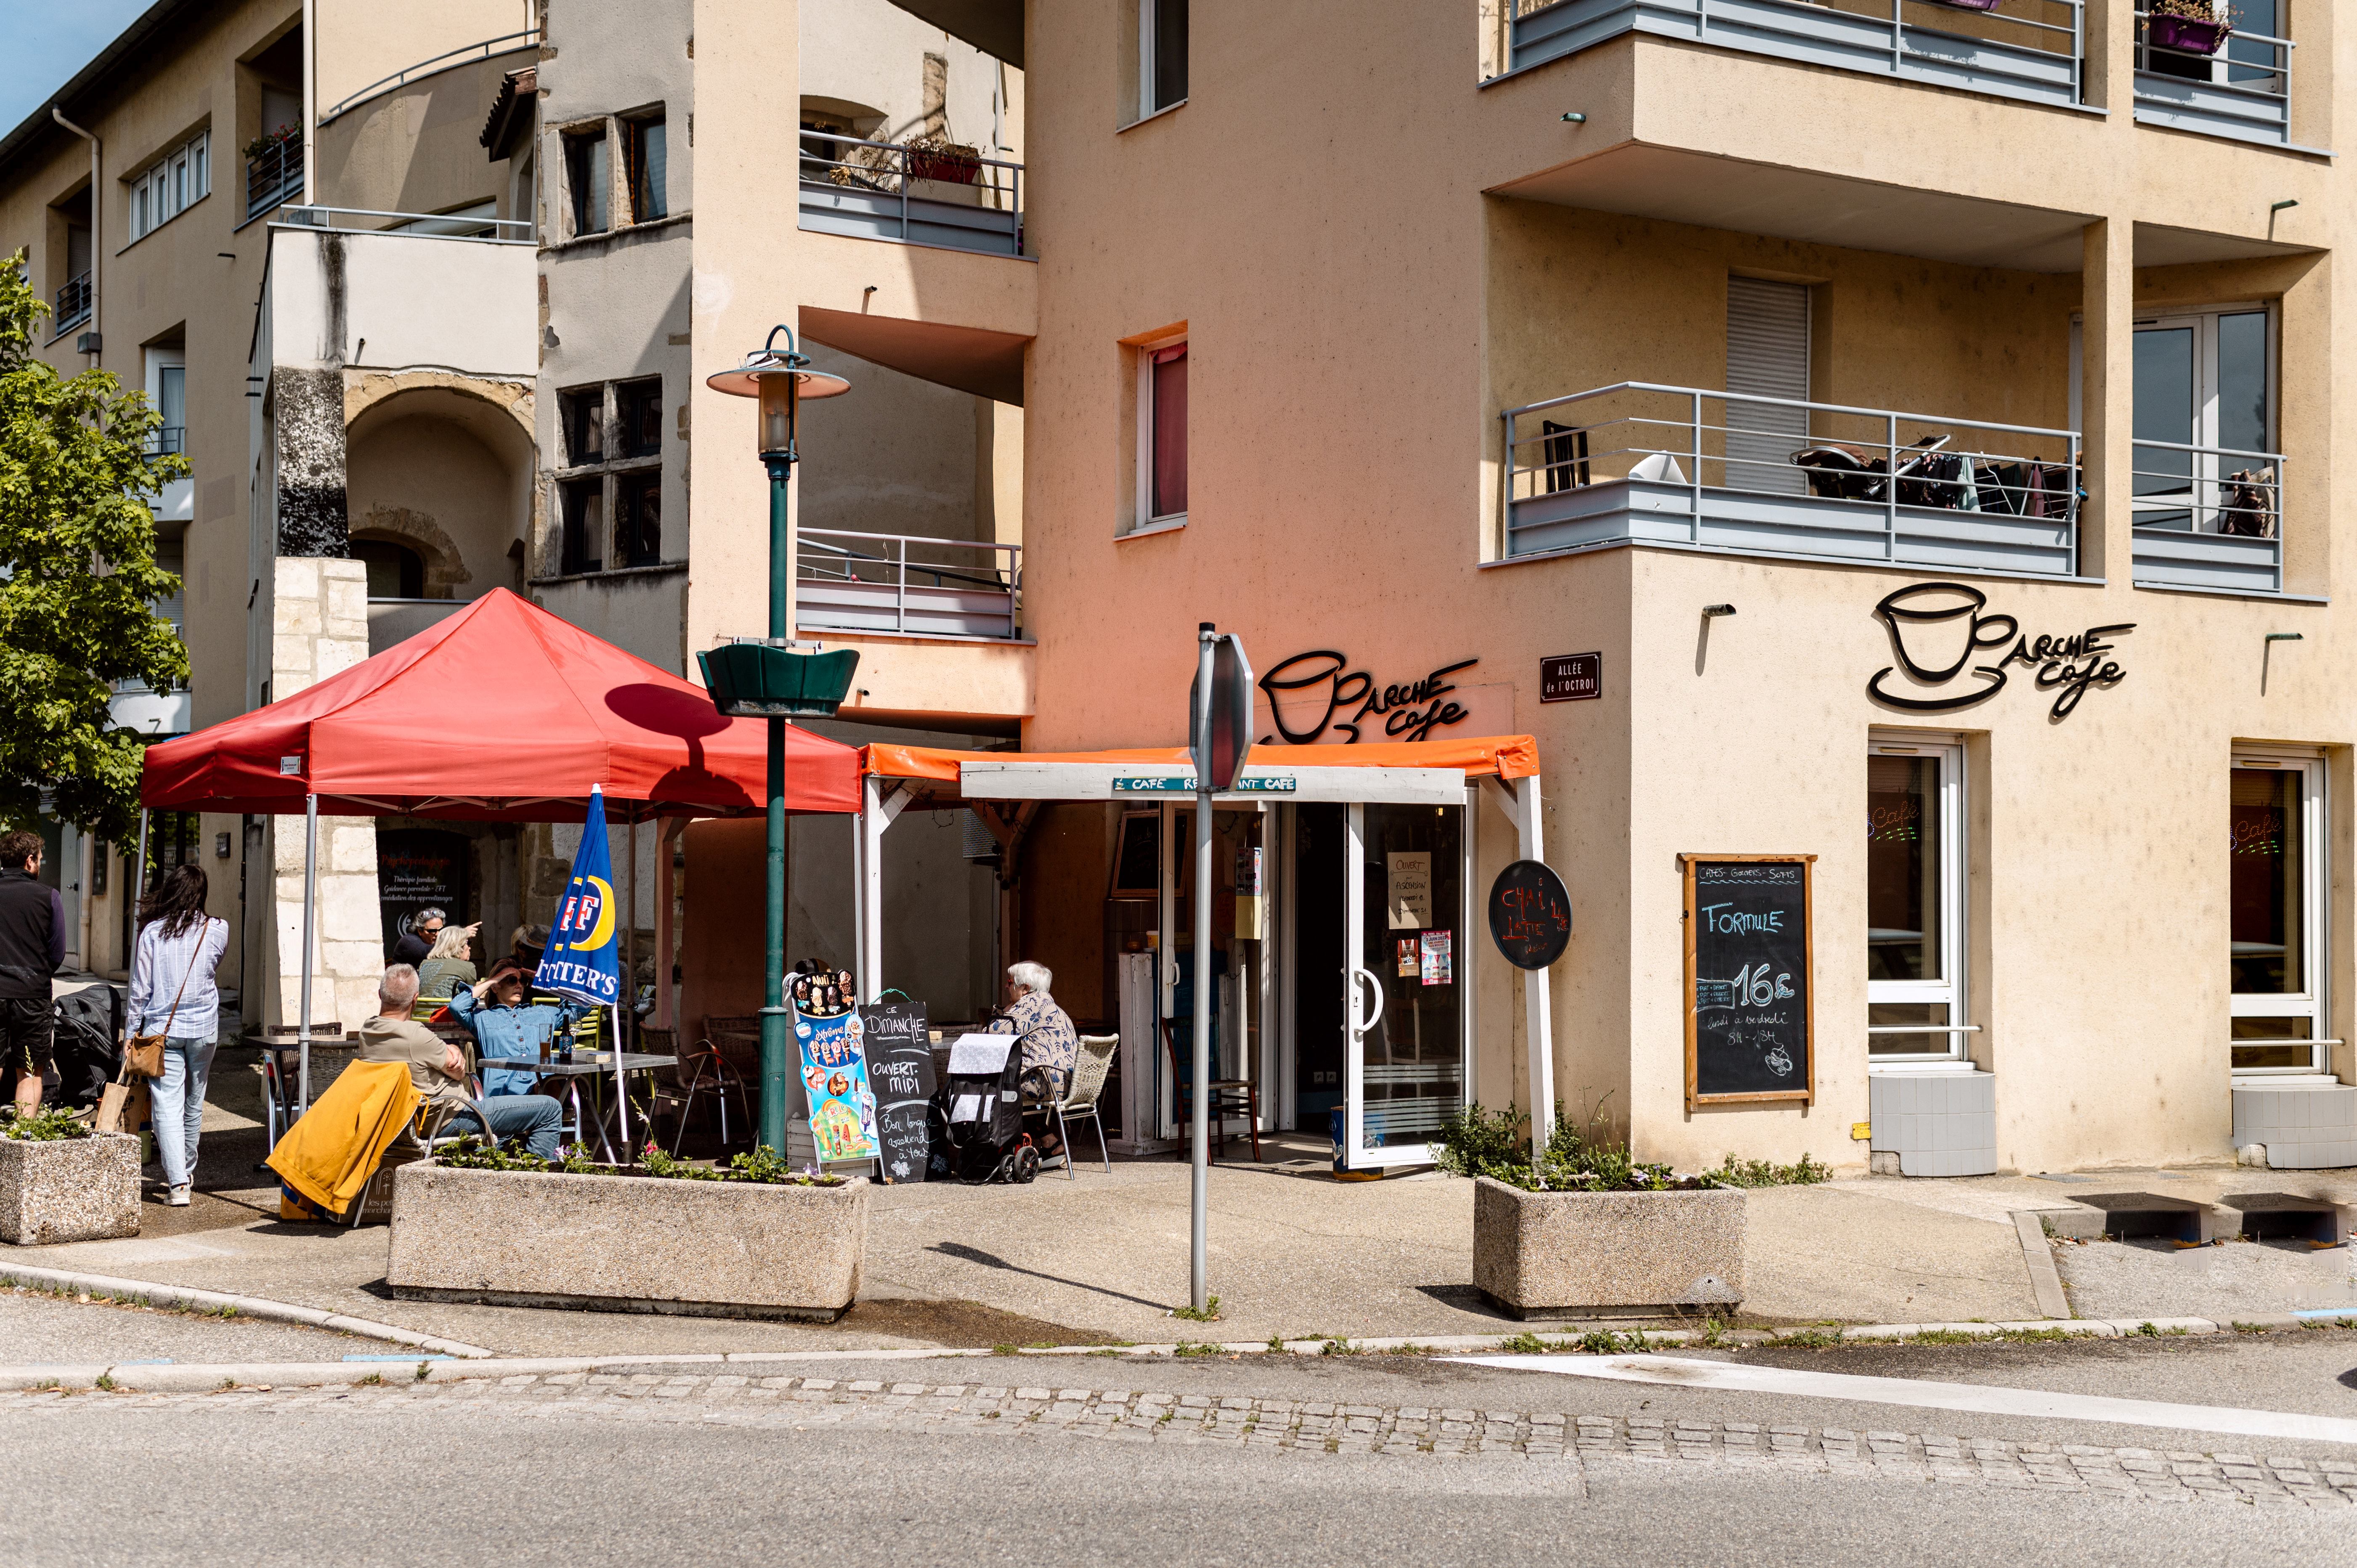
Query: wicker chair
x=1090, y=1065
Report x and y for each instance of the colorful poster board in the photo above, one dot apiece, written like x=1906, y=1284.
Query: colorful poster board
x=834, y=1082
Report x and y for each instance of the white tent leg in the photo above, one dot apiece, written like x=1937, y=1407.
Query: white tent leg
x=310, y=903
x=1539, y=1024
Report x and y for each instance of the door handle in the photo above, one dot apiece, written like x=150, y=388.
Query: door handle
x=1374, y=986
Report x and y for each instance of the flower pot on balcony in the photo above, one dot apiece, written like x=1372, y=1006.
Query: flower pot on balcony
x=952, y=164
x=2188, y=35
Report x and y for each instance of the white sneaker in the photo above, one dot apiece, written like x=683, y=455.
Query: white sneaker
x=176, y=1197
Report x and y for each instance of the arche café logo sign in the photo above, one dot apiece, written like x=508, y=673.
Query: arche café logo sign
x=1937, y=628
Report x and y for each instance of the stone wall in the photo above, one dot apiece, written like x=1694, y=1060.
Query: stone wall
x=320, y=629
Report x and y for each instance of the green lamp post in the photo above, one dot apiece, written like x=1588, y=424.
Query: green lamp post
x=765, y=678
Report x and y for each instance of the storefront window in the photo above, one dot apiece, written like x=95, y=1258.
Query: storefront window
x=1913, y=905
x=2272, y=884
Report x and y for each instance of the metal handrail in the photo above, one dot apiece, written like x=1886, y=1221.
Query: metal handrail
x=876, y=175
x=503, y=230
x=489, y=48
x=2202, y=496
x=272, y=177
x=2278, y=70
x=166, y=439
x=1899, y=415
x=811, y=540
x=73, y=301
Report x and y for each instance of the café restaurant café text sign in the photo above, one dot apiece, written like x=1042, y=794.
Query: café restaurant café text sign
x=1937, y=628
x=1317, y=698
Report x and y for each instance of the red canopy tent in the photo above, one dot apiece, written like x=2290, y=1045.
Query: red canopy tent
x=502, y=713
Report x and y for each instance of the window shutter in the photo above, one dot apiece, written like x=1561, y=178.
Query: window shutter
x=1767, y=356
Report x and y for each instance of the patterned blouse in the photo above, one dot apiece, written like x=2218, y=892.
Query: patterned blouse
x=1049, y=1038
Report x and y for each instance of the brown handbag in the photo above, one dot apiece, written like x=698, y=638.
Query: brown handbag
x=144, y=1054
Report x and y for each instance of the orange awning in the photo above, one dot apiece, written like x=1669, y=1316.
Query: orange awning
x=1503, y=757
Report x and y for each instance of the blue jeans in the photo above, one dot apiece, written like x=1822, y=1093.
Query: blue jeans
x=534, y=1118
x=177, y=1102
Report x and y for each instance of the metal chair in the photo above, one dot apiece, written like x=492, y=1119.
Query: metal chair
x=1229, y=1096
x=1090, y=1065
x=704, y=1069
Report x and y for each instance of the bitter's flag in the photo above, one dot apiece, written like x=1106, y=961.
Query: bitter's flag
x=583, y=959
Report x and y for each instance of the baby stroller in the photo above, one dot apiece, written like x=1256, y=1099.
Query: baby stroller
x=979, y=1134
x=88, y=1053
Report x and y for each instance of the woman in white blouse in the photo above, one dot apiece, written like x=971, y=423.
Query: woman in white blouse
x=173, y=994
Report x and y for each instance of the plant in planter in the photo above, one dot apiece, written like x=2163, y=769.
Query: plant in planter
x=1592, y=1229
x=59, y=1181
x=2189, y=26
x=485, y=1223
x=938, y=158
x=270, y=141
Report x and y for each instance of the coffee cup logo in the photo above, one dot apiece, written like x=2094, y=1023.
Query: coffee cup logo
x=1935, y=630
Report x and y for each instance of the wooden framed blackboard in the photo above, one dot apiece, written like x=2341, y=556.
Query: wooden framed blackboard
x=1750, y=1034
x=900, y=1069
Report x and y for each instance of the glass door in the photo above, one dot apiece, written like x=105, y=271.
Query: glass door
x=1406, y=979
x=2204, y=422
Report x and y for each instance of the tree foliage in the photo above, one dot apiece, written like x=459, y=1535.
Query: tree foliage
x=78, y=551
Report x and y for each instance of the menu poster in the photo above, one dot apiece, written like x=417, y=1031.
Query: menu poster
x=1438, y=958
x=1409, y=888
x=1747, y=973
x=900, y=1067
x=1410, y=964
x=835, y=1078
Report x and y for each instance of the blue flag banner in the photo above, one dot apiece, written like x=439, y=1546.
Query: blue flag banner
x=584, y=959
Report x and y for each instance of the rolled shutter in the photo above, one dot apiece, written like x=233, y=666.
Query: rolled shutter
x=1767, y=357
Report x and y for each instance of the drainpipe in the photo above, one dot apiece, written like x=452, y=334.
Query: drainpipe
x=97, y=220
x=310, y=102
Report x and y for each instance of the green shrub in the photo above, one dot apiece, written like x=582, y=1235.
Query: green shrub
x=49, y=1126
x=1586, y=1158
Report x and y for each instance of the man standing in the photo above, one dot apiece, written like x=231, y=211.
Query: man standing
x=32, y=946
x=438, y=1068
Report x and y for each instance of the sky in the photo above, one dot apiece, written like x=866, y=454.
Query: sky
x=48, y=40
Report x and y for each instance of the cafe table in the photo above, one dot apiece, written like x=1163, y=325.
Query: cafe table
x=593, y=1066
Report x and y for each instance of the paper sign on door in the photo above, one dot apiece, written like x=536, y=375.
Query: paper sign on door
x=1410, y=894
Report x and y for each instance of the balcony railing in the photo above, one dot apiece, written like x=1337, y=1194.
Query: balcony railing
x=2029, y=49
x=431, y=225
x=868, y=582
x=2209, y=517
x=2242, y=91
x=1644, y=463
x=276, y=177
x=74, y=302
x=168, y=439
x=917, y=196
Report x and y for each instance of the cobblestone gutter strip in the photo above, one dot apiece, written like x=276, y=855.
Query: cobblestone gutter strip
x=242, y=1305
x=1578, y=1443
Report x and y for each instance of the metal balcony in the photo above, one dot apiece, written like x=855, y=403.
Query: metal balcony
x=1638, y=463
x=2242, y=91
x=276, y=177
x=914, y=196
x=2030, y=50
x=868, y=582
x=2209, y=517
x=73, y=304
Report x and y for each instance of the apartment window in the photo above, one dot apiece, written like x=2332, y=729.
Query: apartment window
x=168, y=394
x=2205, y=421
x=637, y=518
x=1161, y=55
x=584, y=415
x=1914, y=900
x=644, y=140
x=589, y=175
x=638, y=418
x=1162, y=435
x=582, y=505
x=169, y=185
x=2275, y=913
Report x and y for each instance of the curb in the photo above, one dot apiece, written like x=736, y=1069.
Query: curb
x=270, y=1376
x=244, y=1305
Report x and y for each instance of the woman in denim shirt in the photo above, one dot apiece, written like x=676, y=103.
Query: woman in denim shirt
x=173, y=994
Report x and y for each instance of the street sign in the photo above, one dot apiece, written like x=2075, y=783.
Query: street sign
x=1571, y=677
x=1230, y=736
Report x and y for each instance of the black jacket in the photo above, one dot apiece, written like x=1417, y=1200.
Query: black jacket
x=32, y=936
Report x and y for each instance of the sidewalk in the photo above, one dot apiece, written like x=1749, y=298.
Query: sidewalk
x=1103, y=1258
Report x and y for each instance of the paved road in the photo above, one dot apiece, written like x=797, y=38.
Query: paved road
x=1360, y=1460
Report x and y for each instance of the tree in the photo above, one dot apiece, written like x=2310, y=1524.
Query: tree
x=78, y=552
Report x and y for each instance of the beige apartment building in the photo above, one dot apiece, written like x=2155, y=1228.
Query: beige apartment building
x=1900, y=438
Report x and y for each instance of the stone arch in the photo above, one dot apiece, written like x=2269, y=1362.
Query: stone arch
x=446, y=567
x=444, y=465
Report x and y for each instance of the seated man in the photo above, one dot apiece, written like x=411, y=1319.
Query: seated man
x=506, y=1029
x=438, y=1068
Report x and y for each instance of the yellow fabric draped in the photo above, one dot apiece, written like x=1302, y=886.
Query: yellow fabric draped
x=330, y=1152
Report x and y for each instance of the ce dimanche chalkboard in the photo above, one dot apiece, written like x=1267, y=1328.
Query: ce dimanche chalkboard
x=1749, y=1033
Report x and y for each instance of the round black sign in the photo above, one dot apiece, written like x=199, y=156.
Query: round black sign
x=1529, y=914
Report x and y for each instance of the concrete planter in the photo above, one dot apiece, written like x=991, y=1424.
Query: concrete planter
x=71, y=1189
x=627, y=1243
x=1543, y=1254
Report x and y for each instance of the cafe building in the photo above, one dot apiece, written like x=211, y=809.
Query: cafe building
x=1872, y=474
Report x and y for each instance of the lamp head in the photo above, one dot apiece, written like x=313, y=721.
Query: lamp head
x=781, y=380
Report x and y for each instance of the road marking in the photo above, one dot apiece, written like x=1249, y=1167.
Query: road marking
x=1733, y=1376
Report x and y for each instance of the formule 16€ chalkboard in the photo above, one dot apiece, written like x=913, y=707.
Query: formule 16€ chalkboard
x=1749, y=1031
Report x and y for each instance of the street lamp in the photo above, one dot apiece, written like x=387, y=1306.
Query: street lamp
x=765, y=678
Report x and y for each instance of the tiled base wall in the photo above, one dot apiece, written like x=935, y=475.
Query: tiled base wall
x=2302, y=1129
x=1939, y=1124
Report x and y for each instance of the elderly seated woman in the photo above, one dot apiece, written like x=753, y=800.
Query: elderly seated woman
x=1049, y=1043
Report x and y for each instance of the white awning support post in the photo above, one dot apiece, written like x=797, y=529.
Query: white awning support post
x=310, y=907
x=879, y=810
x=1520, y=797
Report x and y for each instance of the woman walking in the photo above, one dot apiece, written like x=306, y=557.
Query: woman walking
x=173, y=994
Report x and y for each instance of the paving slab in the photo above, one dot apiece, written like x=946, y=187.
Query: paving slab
x=2224, y=1282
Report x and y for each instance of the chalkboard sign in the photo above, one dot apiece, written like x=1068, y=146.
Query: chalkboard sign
x=900, y=1066
x=1530, y=914
x=1749, y=1028
x=420, y=868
